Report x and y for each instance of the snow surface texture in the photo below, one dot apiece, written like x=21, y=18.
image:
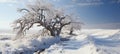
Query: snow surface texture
x=92, y=41
x=87, y=41
x=26, y=45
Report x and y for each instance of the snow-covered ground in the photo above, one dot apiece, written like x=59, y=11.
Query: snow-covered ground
x=90, y=41
x=25, y=45
x=87, y=41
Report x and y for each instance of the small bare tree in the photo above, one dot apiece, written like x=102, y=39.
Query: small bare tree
x=45, y=15
x=75, y=26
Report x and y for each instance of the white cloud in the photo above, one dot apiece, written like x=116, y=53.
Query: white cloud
x=88, y=4
x=56, y=0
x=8, y=1
x=86, y=0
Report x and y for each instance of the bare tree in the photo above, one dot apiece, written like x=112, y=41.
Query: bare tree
x=75, y=26
x=45, y=15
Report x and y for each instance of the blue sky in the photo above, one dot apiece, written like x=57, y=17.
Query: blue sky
x=94, y=13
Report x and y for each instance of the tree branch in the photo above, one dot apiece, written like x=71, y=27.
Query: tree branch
x=24, y=10
x=66, y=24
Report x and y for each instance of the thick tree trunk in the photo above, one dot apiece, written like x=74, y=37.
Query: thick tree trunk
x=54, y=32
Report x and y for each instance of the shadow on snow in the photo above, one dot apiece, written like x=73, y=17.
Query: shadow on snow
x=111, y=41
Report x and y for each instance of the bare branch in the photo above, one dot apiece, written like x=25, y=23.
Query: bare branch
x=46, y=15
x=20, y=10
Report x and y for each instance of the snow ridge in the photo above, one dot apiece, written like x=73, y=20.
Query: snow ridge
x=89, y=42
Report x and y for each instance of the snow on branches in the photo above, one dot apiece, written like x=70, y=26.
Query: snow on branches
x=45, y=14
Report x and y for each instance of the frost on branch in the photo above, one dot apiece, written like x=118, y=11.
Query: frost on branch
x=45, y=15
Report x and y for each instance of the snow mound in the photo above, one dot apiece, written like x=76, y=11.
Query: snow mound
x=27, y=45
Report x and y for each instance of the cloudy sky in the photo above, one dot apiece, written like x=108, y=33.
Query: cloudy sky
x=94, y=13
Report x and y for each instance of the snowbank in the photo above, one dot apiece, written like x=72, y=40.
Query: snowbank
x=95, y=41
x=27, y=45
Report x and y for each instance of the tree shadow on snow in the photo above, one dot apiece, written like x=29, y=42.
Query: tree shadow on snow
x=109, y=41
x=75, y=44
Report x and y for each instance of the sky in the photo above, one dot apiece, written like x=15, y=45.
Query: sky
x=101, y=14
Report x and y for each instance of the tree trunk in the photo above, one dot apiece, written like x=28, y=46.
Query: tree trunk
x=71, y=31
x=52, y=33
x=55, y=32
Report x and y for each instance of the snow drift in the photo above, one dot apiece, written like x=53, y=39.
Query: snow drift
x=87, y=41
x=27, y=45
x=91, y=41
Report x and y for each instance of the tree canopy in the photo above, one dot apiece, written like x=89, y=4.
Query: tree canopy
x=45, y=14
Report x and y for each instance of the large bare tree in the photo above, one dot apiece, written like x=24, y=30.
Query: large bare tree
x=45, y=15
